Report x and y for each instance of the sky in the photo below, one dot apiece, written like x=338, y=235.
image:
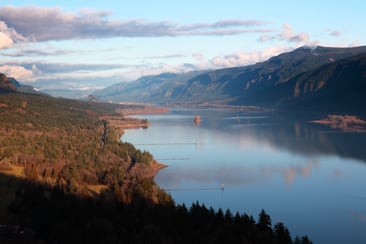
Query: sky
x=88, y=45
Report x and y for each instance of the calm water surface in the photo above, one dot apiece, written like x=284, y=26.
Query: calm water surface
x=308, y=176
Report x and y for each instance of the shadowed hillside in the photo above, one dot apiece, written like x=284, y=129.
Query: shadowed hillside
x=336, y=87
x=38, y=213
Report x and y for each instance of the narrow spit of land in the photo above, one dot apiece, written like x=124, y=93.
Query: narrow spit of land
x=346, y=123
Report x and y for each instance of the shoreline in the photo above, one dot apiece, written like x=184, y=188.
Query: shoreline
x=146, y=109
x=122, y=123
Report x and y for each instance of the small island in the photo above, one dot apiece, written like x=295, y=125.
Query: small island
x=197, y=120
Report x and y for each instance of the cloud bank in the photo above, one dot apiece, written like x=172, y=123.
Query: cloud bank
x=52, y=23
x=246, y=58
x=17, y=72
x=37, y=71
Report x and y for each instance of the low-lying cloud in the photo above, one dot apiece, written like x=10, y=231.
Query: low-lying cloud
x=18, y=72
x=36, y=71
x=287, y=34
x=246, y=58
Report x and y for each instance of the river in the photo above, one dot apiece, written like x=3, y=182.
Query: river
x=308, y=176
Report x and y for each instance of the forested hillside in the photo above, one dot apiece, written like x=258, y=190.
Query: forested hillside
x=64, y=143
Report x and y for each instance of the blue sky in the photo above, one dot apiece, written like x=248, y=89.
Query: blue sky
x=92, y=44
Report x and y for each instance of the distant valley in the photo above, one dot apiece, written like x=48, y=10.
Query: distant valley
x=321, y=79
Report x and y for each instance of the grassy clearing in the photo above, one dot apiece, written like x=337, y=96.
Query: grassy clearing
x=17, y=171
x=97, y=188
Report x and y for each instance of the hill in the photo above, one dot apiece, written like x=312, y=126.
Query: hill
x=265, y=84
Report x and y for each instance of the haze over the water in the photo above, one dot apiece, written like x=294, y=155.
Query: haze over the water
x=86, y=45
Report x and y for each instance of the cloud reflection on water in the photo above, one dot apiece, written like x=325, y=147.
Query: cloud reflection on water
x=233, y=175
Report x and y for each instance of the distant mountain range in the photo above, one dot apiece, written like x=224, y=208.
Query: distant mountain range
x=155, y=89
x=305, y=79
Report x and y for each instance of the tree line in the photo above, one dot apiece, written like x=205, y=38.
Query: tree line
x=49, y=215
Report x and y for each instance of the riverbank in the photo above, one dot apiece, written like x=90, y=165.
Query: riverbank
x=143, y=109
x=238, y=108
x=120, y=123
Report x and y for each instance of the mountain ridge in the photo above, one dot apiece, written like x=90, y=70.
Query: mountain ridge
x=337, y=86
x=267, y=84
x=146, y=88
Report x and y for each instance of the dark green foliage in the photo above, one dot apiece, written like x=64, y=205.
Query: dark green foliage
x=282, y=233
x=63, y=142
x=302, y=240
x=264, y=222
x=54, y=216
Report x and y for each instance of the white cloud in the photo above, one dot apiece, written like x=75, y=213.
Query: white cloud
x=202, y=63
x=288, y=35
x=45, y=74
x=18, y=72
x=8, y=36
x=246, y=58
x=46, y=23
x=5, y=41
x=35, y=70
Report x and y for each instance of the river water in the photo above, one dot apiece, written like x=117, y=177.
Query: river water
x=308, y=176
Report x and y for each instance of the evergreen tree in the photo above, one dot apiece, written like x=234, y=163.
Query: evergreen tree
x=264, y=221
x=282, y=233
